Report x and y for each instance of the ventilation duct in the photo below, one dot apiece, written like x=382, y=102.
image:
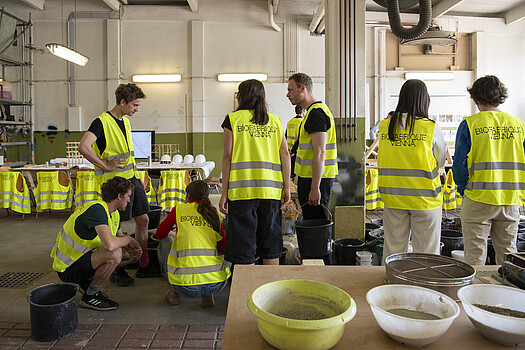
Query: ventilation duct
x=394, y=17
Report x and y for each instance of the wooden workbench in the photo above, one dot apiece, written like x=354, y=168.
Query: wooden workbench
x=362, y=332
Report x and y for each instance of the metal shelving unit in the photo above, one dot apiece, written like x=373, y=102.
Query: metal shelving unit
x=16, y=66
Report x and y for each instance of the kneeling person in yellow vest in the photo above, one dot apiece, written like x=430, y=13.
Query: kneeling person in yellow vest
x=91, y=245
x=189, y=257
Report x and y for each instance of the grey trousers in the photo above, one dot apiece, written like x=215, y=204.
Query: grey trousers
x=479, y=220
x=422, y=226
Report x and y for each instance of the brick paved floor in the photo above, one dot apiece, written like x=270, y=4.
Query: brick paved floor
x=117, y=336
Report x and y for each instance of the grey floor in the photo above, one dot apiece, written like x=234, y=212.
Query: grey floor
x=25, y=247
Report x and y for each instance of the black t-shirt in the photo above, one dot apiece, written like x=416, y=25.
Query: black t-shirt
x=97, y=129
x=317, y=120
x=85, y=223
x=226, y=124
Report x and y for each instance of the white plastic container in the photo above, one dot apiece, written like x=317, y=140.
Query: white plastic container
x=363, y=258
x=458, y=255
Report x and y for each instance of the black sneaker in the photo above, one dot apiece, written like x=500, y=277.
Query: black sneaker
x=148, y=272
x=97, y=301
x=121, y=278
x=110, y=302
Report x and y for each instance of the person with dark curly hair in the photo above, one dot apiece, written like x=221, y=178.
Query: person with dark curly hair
x=489, y=170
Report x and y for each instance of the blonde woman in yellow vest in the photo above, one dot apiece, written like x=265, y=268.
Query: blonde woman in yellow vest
x=411, y=151
x=315, y=163
x=191, y=257
x=489, y=171
x=292, y=136
x=91, y=245
x=108, y=145
x=255, y=178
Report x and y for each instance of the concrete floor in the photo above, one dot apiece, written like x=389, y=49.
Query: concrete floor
x=26, y=247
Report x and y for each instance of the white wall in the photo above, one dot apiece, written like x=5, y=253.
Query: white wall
x=158, y=39
x=499, y=50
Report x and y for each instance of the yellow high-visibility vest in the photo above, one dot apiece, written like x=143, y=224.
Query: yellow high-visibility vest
x=305, y=152
x=496, y=163
x=150, y=191
x=87, y=188
x=50, y=193
x=372, y=196
x=116, y=145
x=69, y=247
x=14, y=193
x=255, y=171
x=292, y=131
x=408, y=172
x=449, y=192
x=193, y=258
x=172, y=189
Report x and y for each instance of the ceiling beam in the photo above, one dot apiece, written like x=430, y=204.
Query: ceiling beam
x=515, y=14
x=194, y=5
x=37, y=4
x=113, y=4
x=443, y=7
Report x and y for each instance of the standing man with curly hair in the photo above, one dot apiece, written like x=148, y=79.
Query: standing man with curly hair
x=108, y=145
x=489, y=170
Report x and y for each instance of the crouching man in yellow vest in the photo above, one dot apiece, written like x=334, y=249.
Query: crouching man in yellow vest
x=91, y=244
x=190, y=257
x=489, y=170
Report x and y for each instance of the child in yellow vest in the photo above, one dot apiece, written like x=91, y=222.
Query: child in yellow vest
x=189, y=257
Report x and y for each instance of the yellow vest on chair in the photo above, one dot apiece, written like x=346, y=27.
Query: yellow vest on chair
x=87, y=188
x=449, y=192
x=172, y=189
x=372, y=196
x=148, y=188
x=14, y=193
x=50, y=193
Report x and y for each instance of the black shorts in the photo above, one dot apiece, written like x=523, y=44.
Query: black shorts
x=254, y=227
x=81, y=272
x=138, y=202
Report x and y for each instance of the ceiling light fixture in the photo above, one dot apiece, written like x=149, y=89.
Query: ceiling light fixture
x=157, y=78
x=67, y=54
x=429, y=75
x=241, y=76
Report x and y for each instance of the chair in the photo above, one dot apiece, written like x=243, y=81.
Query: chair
x=53, y=191
x=215, y=183
x=86, y=188
x=148, y=187
x=14, y=193
x=372, y=195
x=172, y=188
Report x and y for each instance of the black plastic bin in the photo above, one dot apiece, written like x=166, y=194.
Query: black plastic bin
x=345, y=249
x=154, y=217
x=53, y=311
x=453, y=240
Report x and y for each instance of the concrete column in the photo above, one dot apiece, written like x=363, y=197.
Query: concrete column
x=345, y=95
x=196, y=114
x=113, y=59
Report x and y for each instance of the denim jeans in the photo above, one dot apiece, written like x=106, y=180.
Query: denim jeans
x=196, y=291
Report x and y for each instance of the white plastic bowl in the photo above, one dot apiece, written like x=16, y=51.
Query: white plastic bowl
x=407, y=330
x=499, y=328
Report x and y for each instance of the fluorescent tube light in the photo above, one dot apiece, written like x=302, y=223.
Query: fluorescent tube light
x=429, y=75
x=241, y=76
x=67, y=54
x=157, y=78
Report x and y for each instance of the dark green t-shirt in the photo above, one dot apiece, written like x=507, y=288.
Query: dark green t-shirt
x=85, y=223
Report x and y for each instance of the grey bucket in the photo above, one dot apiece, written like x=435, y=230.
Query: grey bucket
x=53, y=311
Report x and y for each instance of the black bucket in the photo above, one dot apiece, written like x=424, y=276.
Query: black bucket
x=53, y=311
x=345, y=249
x=282, y=258
x=314, y=237
x=154, y=217
x=452, y=240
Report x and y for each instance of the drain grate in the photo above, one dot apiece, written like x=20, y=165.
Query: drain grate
x=18, y=279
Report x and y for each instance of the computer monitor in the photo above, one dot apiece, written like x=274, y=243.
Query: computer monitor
x=143, y=142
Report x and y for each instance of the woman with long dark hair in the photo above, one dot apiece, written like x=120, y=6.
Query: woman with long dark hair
x=411, y=151
x=255, y=178
x=189, y=257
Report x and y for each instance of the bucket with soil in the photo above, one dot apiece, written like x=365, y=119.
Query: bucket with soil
x=345, y=250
